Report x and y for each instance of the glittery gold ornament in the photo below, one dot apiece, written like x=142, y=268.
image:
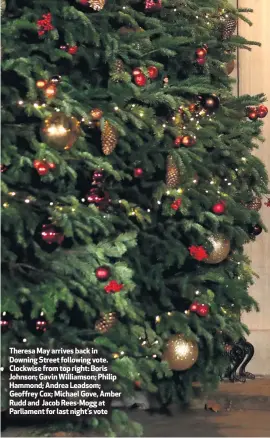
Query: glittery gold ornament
x=230, y=66
x=172, y=173
x=108, y=138
x=96, y=113
x=221, y=249
x=255, y=204
x=106, y=322
x=97, y=5
x=3, y=6
x=60, y=131
x=180, y=353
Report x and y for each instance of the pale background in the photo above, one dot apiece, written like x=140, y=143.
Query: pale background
x=254, y=78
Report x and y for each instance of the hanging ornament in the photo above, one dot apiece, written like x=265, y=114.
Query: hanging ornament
x=41, y=83
x=113, y=286
x=180, y=353
x=178, y=142
x=3, y=168
x=109, y=138
x=42, y=167
x=176, y=204
x=228, y=26
x=188, y=141
x=99, y=198
x=255, y=204
x=106, y=322
x=136, y=71
x=230, y=66
x=201, y=52
x=56, y=79
x=50, y=91
x=152, y=72
x=201, y=61
x=193, y=107
x=219, y=207
x=152, y=5
x=60, y=131
x=140, y=79
x=262, y=111
x=84, y=2
x=6, y=322
x=72, y=50
x=41, y=325
x=51, y=234
x=138, y=172
x=172, y=174
x=96, y=113
x=220, y=251
x=103, y=273
x=194, y=306
x=98, y=177
x=198, y=252
x=255, y=230
x=97, y=5
x=252, y=113
x=202, y=309
x=210, y=103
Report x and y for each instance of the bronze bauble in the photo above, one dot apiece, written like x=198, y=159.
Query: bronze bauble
x=230, y=66
x=221, y=249
x=180, y=353
x=60, y=131
x=96, y=113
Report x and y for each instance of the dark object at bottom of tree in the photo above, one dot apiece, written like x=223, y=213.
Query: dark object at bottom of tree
x=240, y=354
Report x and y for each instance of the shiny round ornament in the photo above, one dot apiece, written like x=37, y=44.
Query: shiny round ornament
x=221, y=249
x=188, y=141
x=55, y=79
x=98, y=176
x=201, y=52
x=41, y=83
x=140, y=80
x=255, y=230
x=178, y=142
x=60, y=131
x=103, y=273
x=138, y=172
x=5, y=322
x=194, y=306
x=96, y=113
x=202, y=310
x=193, y=107
x=42, y=167
x=72, y=50
x=201, y=61
x=255, y=204
x=219, y=208
x=210, y=103
x=50, y=91
x=262, y=111
x=230, y=66
x=41, y=325
x=152, y=72
x=136, y=71
x=51, y=234
x=180, y=353
x=252, y=113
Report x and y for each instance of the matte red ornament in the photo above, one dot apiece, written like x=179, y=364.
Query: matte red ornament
x=176, y=204
x=201, y=61
x=138, y=172
x=140, y=79
x=103, y=273
x=198, y=252
x=202, y=310
x=219, y=207
x=194, y=306
x=113, y=286
x=50, y=234
x=136, y=71
x=262, y=111
x=177, y=141
x=42, y=167
x=72, y=50
x=201, y=52
x=45, y=24
x=188, y=141
x=152, y=72
x=153, y=5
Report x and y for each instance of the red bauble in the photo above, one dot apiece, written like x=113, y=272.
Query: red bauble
x=72, y=50
x=201, y=52
x=3, y=168
x=41, y=325
x=138, y=172
x=50, y=234
x=176, y=204
x=42, y=167
x=98, y=176
x=188, y=141
x=103, y=273
x=194, y=306
x=152, y=72
x=219, y=207
x=84, y=2
x=262, y=111
x=52, y=166
x=6, y=322
x=99, y=198
x=177, y=141
x=201, y=61
x=252, y=113
x=202, y=310
x=140, y=79
x=152, y=5
x=136, y=71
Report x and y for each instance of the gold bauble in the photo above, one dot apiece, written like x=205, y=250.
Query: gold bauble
x=172, y=173
x=180, y=353
x=106, y=322
x=221, y=249
x=230, y=66
x=109, y=138
x=60, y=131
x=96, y=113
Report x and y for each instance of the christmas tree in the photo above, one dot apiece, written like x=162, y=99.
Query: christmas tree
x=129, y=188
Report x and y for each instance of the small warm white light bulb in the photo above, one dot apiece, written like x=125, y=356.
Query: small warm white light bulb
x=83, y=200
x=24, y=340
x=148, y=210
x=116, y=108
x=159, y=202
